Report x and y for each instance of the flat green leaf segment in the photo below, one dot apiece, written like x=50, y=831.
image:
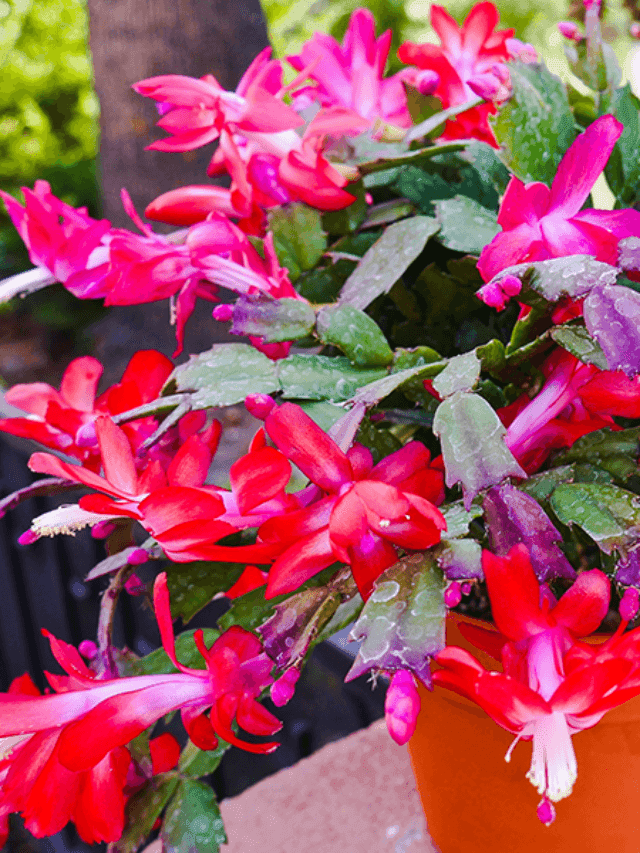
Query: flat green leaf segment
x=192, y=822
x=608, y=514
x=461, y=374
x=472, y=439
x=355, y=333
x=299, y=238
x=402, y=622
x=465, y=225
x=578, y=341
x=535, y=126
x=613, y=451
x=273, y=320
x=387, y=260
x=194, y=584
x=573, y=276
x=143, y=809
x=623, y=169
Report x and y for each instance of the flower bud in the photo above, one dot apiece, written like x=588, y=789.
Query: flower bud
x=259, y=405
x=134, y=586
x=570, y=31
x=137, y=557
x=453, y=594
x=629, y=604
x=283, y=689
x=88, y=649
x=223, y=313
x=103, y=529
x=402, y=706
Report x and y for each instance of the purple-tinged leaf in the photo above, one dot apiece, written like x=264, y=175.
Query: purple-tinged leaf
x=402, y=623
x=628, y=569
x=288, y=634
x=273, y=320
x=612, y=316
x=460, y=559
x=513, y=517
x=629, y=254
x=46, y=486
x=473, y=446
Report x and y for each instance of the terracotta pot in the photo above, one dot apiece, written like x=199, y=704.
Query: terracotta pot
x=477, y=803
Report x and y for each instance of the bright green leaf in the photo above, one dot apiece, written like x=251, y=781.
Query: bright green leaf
x=355, y=333
x=299, y=237
x=319, y=377
x=466, y=226
x=192, y=823
x=608, y=514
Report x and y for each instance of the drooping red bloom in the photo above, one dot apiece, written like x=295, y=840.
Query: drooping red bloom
x=64, y=754
x=195, y=112
x=551, y=686
x=64, y=242
x=61, y=419
x=540, y=223
x=358, y=514
x=351, y=75
x=465, y=53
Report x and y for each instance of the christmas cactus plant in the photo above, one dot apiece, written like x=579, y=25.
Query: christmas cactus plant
x=440, y=335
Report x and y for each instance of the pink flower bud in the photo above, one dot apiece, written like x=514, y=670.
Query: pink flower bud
x=27, y=538
x=103, y=529
x=259, y=405
x=570, y=31
x=88, y=649
x=465, y=588
x=134, y=586
x=494, y=85
x=223, y=313
x=427, y=81
x=137, y=557
x=511, y=285
x=546, y=811
x=634, y=30
x=629, y=604
x=496, y=294
x=283, y=689
x=402, y=706
x=453, y=594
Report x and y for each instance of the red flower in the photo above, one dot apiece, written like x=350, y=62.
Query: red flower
x=67, y=758
x=62, y=420
x=552, y=686
x=465, y=53
x=358, y=514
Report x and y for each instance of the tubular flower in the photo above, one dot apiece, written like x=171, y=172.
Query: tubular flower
x=168, y=496
x=195, y=111
x=64, y=243
x=465, y=53
x=63, y=419
x=540, y=223
x=358, y=513
x=552, y=686
x=64, y=755
x=351, y=75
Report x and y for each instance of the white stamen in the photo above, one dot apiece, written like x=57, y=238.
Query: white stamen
x=554, y=769
x=66, y=519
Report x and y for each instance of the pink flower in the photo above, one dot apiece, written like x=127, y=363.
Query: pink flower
x=63, y=241
x=552, y=686
x=358, y=513
x=540, y=223
x=465, y=53
x=351, y=75
x=196, y=111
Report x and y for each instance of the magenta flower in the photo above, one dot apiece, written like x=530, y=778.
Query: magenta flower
x=540, y=223
x=465, y=53
x=351, y=75
x=196, y=111
x=551, y=687
x=63, y=242
x=358, y=513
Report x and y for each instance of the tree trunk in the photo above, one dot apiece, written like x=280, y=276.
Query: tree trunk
x=131, y=40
